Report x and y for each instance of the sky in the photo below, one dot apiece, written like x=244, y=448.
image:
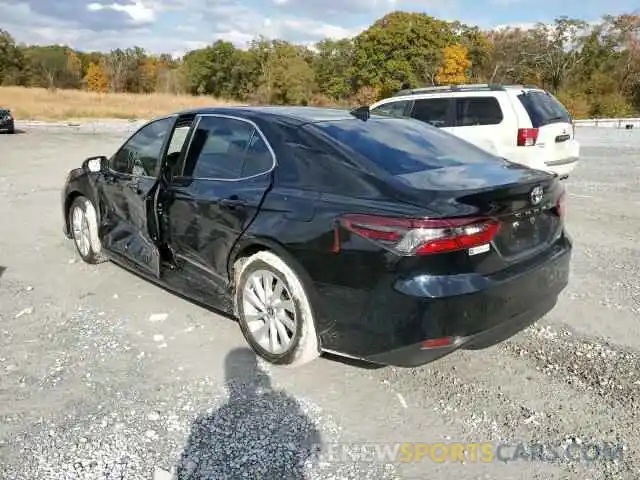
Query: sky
x=176, y=26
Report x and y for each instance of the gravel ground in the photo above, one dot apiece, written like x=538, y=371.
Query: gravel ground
x=105, y=376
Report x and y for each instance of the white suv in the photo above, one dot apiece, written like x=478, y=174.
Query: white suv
x=523, y=124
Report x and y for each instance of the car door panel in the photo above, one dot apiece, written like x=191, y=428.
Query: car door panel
x=127, y=200
x=125, y=228
x=207, y=216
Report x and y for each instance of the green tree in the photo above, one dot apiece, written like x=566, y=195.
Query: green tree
x=333, y=65
x=400, y=49
x=11, y=60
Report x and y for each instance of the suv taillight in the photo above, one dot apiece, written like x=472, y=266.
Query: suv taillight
x=407, y=237
x=527, y=137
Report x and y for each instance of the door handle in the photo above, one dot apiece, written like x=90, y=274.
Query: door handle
x=232, y=202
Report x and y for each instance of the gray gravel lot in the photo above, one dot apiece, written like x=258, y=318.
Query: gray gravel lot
x=105, y=376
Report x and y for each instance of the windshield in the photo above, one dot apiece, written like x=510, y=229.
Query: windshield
x=544, y=109
x=403, y=146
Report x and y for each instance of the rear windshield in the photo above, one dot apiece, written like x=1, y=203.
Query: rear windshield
x=402, y=146
x=544, y=109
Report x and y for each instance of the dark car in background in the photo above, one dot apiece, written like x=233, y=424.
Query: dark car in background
x=7, y=122
x=322, y=230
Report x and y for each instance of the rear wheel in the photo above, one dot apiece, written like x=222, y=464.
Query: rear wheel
x=83, y=222
x=274, y=310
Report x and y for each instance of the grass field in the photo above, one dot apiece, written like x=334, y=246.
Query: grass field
x=42, y=104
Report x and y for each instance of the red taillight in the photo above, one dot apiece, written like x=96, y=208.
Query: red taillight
x=527, y=137
x=437, y=343
x=407, y=236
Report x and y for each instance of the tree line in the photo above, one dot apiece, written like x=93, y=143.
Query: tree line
x=593, y=68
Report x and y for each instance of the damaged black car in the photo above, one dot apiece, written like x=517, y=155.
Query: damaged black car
x=7, y=122
x=323, y=230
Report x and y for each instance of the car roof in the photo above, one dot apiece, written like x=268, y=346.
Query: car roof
x=293, y=113
x=456, y=91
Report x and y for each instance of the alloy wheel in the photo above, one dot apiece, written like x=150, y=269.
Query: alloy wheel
x=269, y=311
x=81, y=233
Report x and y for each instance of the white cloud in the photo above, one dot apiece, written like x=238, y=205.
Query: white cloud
x=179, y=25
x=137, y=11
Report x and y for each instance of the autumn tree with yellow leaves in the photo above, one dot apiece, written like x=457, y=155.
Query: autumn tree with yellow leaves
x=455, y=66
x=96, y=78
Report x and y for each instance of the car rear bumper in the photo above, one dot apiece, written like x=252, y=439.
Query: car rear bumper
x=563, y=167
x=473, y=310
x=416, y=355
x=7, y=125
x=546, y=159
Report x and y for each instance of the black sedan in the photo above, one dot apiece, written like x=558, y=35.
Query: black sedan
x=7, y=122
x=322, y=230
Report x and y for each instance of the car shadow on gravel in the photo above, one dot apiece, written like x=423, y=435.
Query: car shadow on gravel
x=258, y=433
x=2, y=270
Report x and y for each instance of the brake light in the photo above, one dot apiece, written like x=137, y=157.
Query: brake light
x=437, y=343
x=527, y=137
x=407, y=237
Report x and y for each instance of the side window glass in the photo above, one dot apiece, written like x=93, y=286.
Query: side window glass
x=176, y=145
x=178, y=139
x=478, y=111
x=218, y=148
x=140, y=156
x=392, y=108
x=258, y=158
x=434, y=111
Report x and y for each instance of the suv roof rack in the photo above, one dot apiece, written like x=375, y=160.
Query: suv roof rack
x=473, y=87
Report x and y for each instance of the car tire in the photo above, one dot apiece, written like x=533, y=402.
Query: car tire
x=291, y=307
x=83, y=224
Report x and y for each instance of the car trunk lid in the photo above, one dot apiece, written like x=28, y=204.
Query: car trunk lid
x=523, y=201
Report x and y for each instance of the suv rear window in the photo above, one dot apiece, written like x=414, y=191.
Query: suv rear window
x=403, y=146
x=544, y=109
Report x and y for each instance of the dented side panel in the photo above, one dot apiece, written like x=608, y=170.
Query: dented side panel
x=205, y=219
x=127, y=205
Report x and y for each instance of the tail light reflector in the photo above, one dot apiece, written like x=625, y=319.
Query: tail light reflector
x=406, y=236
x=527, y=137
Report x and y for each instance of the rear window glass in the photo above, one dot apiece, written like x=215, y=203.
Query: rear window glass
x=544, y=109
x=402, y=146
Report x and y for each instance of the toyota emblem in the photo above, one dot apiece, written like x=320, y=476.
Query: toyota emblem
x=536, y=195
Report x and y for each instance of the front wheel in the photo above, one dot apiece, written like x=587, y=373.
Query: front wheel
x=83, y=221
x=274, y=311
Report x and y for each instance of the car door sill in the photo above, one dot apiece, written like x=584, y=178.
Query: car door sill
x=201, y=267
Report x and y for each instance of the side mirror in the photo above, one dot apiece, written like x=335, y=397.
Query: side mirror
x=95, y=164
